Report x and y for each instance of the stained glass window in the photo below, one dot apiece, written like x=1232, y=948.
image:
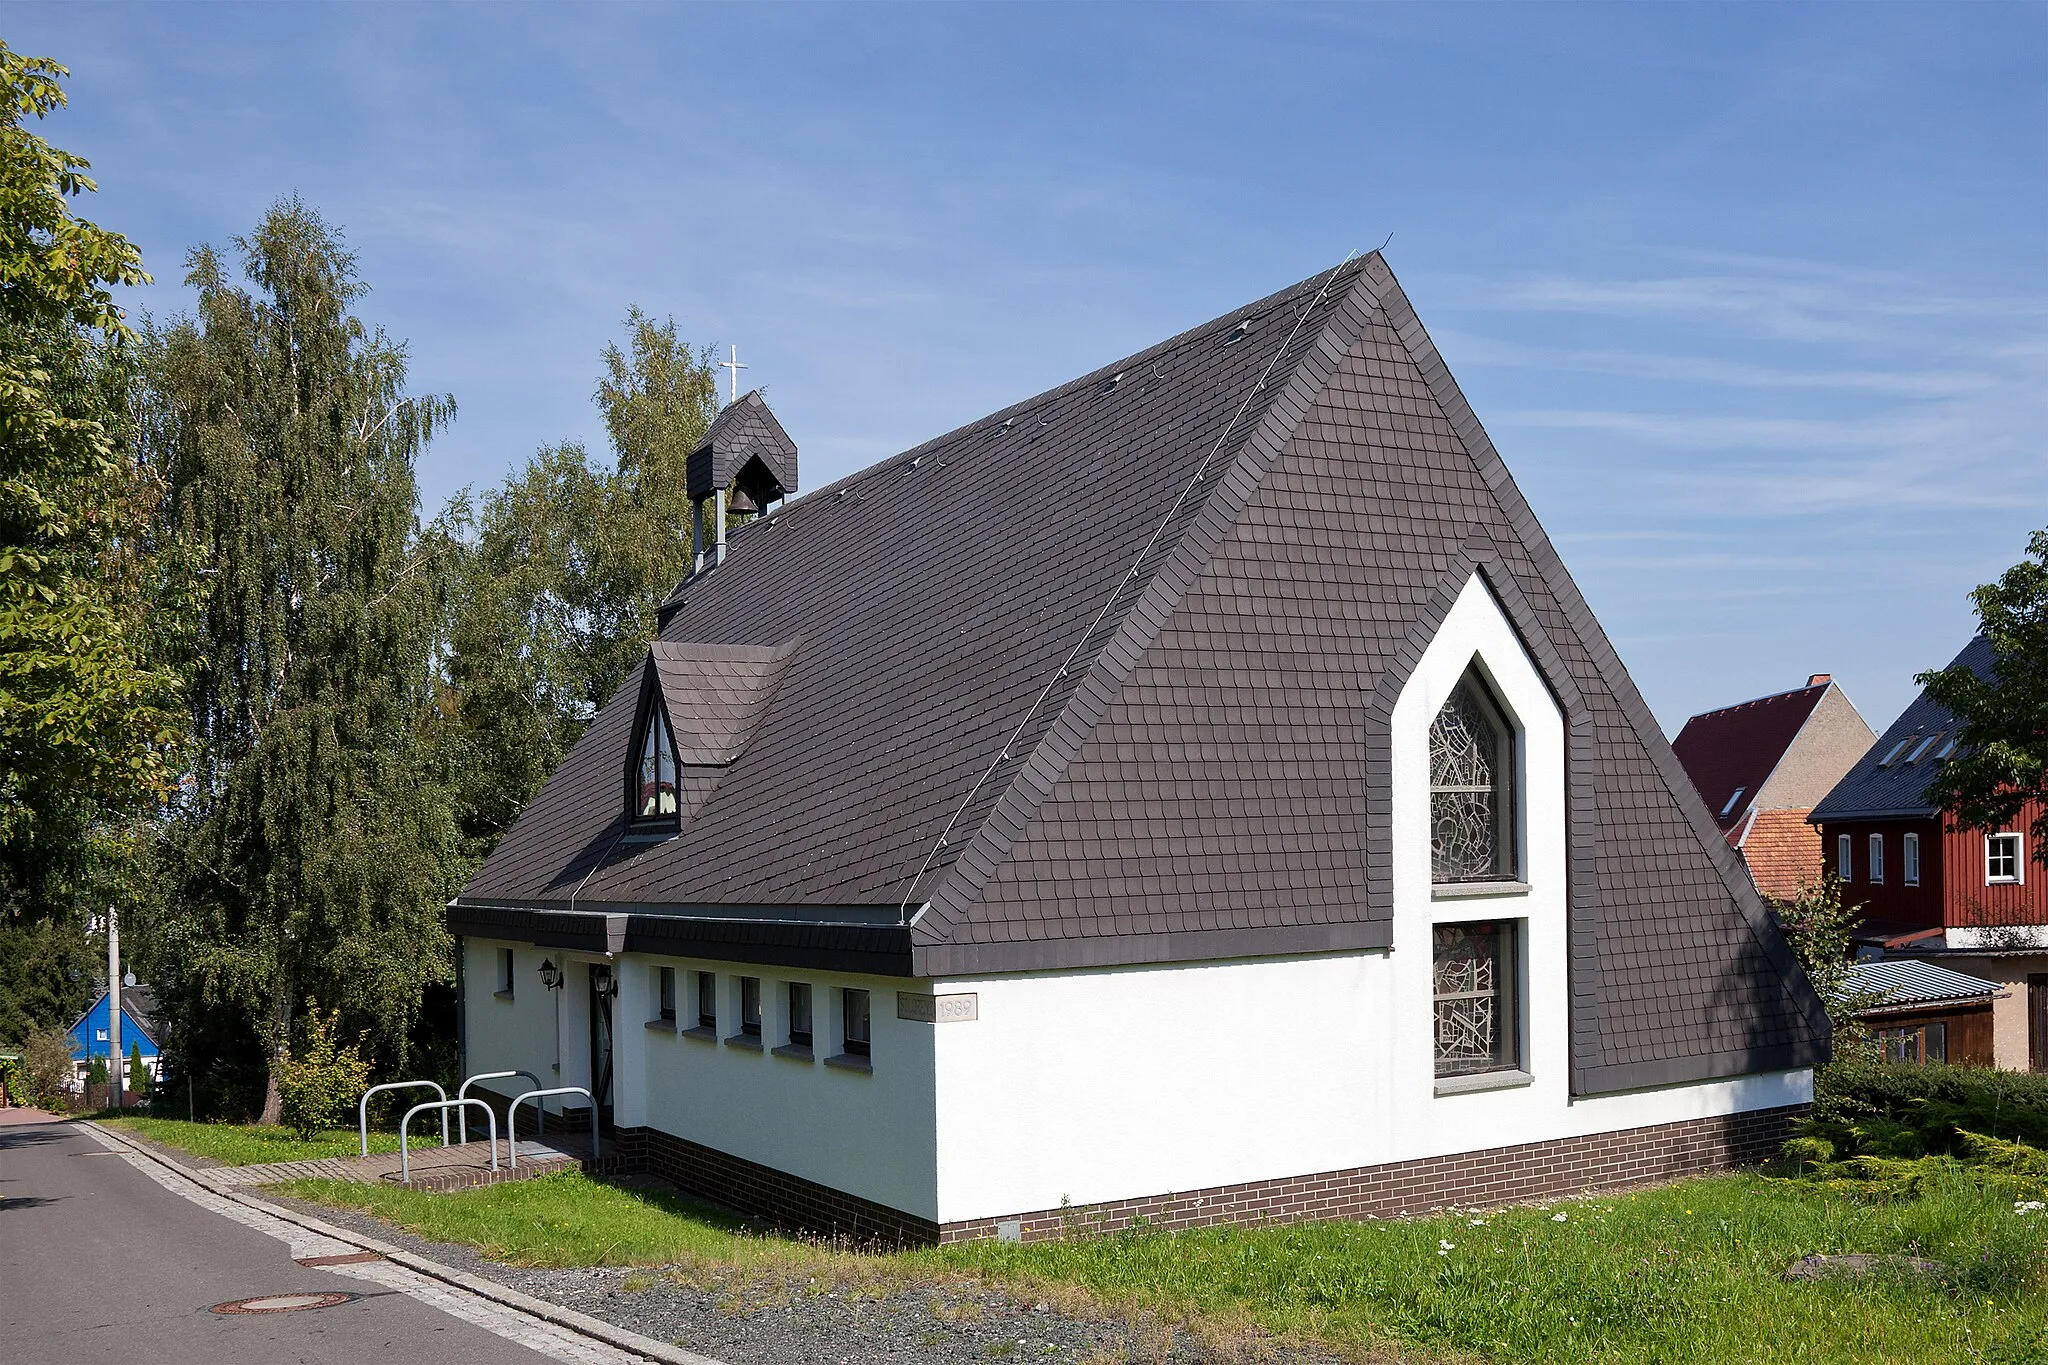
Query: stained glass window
x=657, y=787
x=1470, y=789
x=1473, y=990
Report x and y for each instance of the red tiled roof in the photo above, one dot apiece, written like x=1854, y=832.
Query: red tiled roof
x=1737, y=747
x=1782, y=851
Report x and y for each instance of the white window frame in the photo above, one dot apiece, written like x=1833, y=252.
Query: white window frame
x=1845, y=857
x=1877, y=860
x=2019, y=858
x=1910, y=850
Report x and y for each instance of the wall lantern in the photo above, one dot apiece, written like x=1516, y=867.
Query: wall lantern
x=550, y=974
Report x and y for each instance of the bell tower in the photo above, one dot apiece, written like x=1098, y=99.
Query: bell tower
x=745, y=463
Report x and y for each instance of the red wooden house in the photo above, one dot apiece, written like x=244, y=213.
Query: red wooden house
x=1973, y=899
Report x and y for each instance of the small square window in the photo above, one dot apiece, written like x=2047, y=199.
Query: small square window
x=707, y=1000
x=101, y=1037
x=1476, y=1012
x=750, y=1006
x=2003, y=858
x=799, y=1014
x=1845, y=858
x=853, y=1019
x=1877, y=860
x=665, y=987
x=507, y=963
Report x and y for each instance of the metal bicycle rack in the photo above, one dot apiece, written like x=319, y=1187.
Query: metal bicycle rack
x=404, y=1159
x=462, y=1092
x=363, y=1109
x=512, y=1143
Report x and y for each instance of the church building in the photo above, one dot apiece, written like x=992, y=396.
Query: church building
x=1198, y=792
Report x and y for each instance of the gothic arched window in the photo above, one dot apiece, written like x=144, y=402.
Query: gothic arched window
x=1471, y=788
x=655, y=791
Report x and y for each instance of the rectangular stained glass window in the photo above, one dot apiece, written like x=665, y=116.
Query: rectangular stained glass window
x=1474, y=998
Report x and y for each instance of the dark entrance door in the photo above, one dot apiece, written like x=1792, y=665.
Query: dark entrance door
x=602, y=988
x=2037, y=1022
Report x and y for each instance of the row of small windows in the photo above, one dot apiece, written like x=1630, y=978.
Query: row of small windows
x=2004, y=858
x=791, y=1021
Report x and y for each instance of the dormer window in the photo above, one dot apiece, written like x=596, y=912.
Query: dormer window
x=1471, y=787
x=655, y=790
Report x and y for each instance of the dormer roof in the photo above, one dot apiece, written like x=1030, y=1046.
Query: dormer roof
x=714, y=695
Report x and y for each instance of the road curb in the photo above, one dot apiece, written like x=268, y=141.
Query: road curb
x=567, y=1318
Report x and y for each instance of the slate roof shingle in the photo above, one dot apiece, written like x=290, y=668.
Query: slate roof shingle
x=1132, y=647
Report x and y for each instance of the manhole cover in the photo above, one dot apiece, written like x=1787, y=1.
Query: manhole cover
x=282, y=1303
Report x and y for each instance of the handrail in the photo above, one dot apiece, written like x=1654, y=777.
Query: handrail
x=512, y=1119
x=363, y=1108
x=462, y=1115
x=404, y=1158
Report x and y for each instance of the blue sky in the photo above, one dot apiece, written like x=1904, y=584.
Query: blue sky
x=1753, y=300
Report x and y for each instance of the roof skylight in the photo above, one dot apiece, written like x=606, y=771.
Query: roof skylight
x=1896, y=750
x=1732, y=800
x=1920, y=750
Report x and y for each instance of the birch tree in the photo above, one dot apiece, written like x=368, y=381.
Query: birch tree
x=314, y=843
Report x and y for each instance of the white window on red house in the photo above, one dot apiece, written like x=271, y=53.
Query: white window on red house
x=1911, y=849
x=2002, y=858
x=1877, y=859
x=1845, y=858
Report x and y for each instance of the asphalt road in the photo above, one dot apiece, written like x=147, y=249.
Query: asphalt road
x=100, y=1263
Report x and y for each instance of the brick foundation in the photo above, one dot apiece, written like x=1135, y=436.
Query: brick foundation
x=1483, y=1179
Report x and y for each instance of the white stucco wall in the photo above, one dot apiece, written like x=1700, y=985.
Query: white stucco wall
x=1092, y=1086
x=507, y=1035
x=870, y=1133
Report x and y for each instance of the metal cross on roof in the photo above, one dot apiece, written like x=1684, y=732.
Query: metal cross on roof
x=735, y=366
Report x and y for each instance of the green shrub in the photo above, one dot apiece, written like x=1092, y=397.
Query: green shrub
x=318, y=1086
x=46, y=1070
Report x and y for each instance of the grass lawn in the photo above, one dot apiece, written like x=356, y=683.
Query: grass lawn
x=1688, y=1273
x=246, y=1144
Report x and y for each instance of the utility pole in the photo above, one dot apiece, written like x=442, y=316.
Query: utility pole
x=115, y=1062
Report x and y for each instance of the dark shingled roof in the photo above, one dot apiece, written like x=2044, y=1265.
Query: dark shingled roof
x=1132, y=648
x=1876, y=790
x=743, y=431
x=1736, y=748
